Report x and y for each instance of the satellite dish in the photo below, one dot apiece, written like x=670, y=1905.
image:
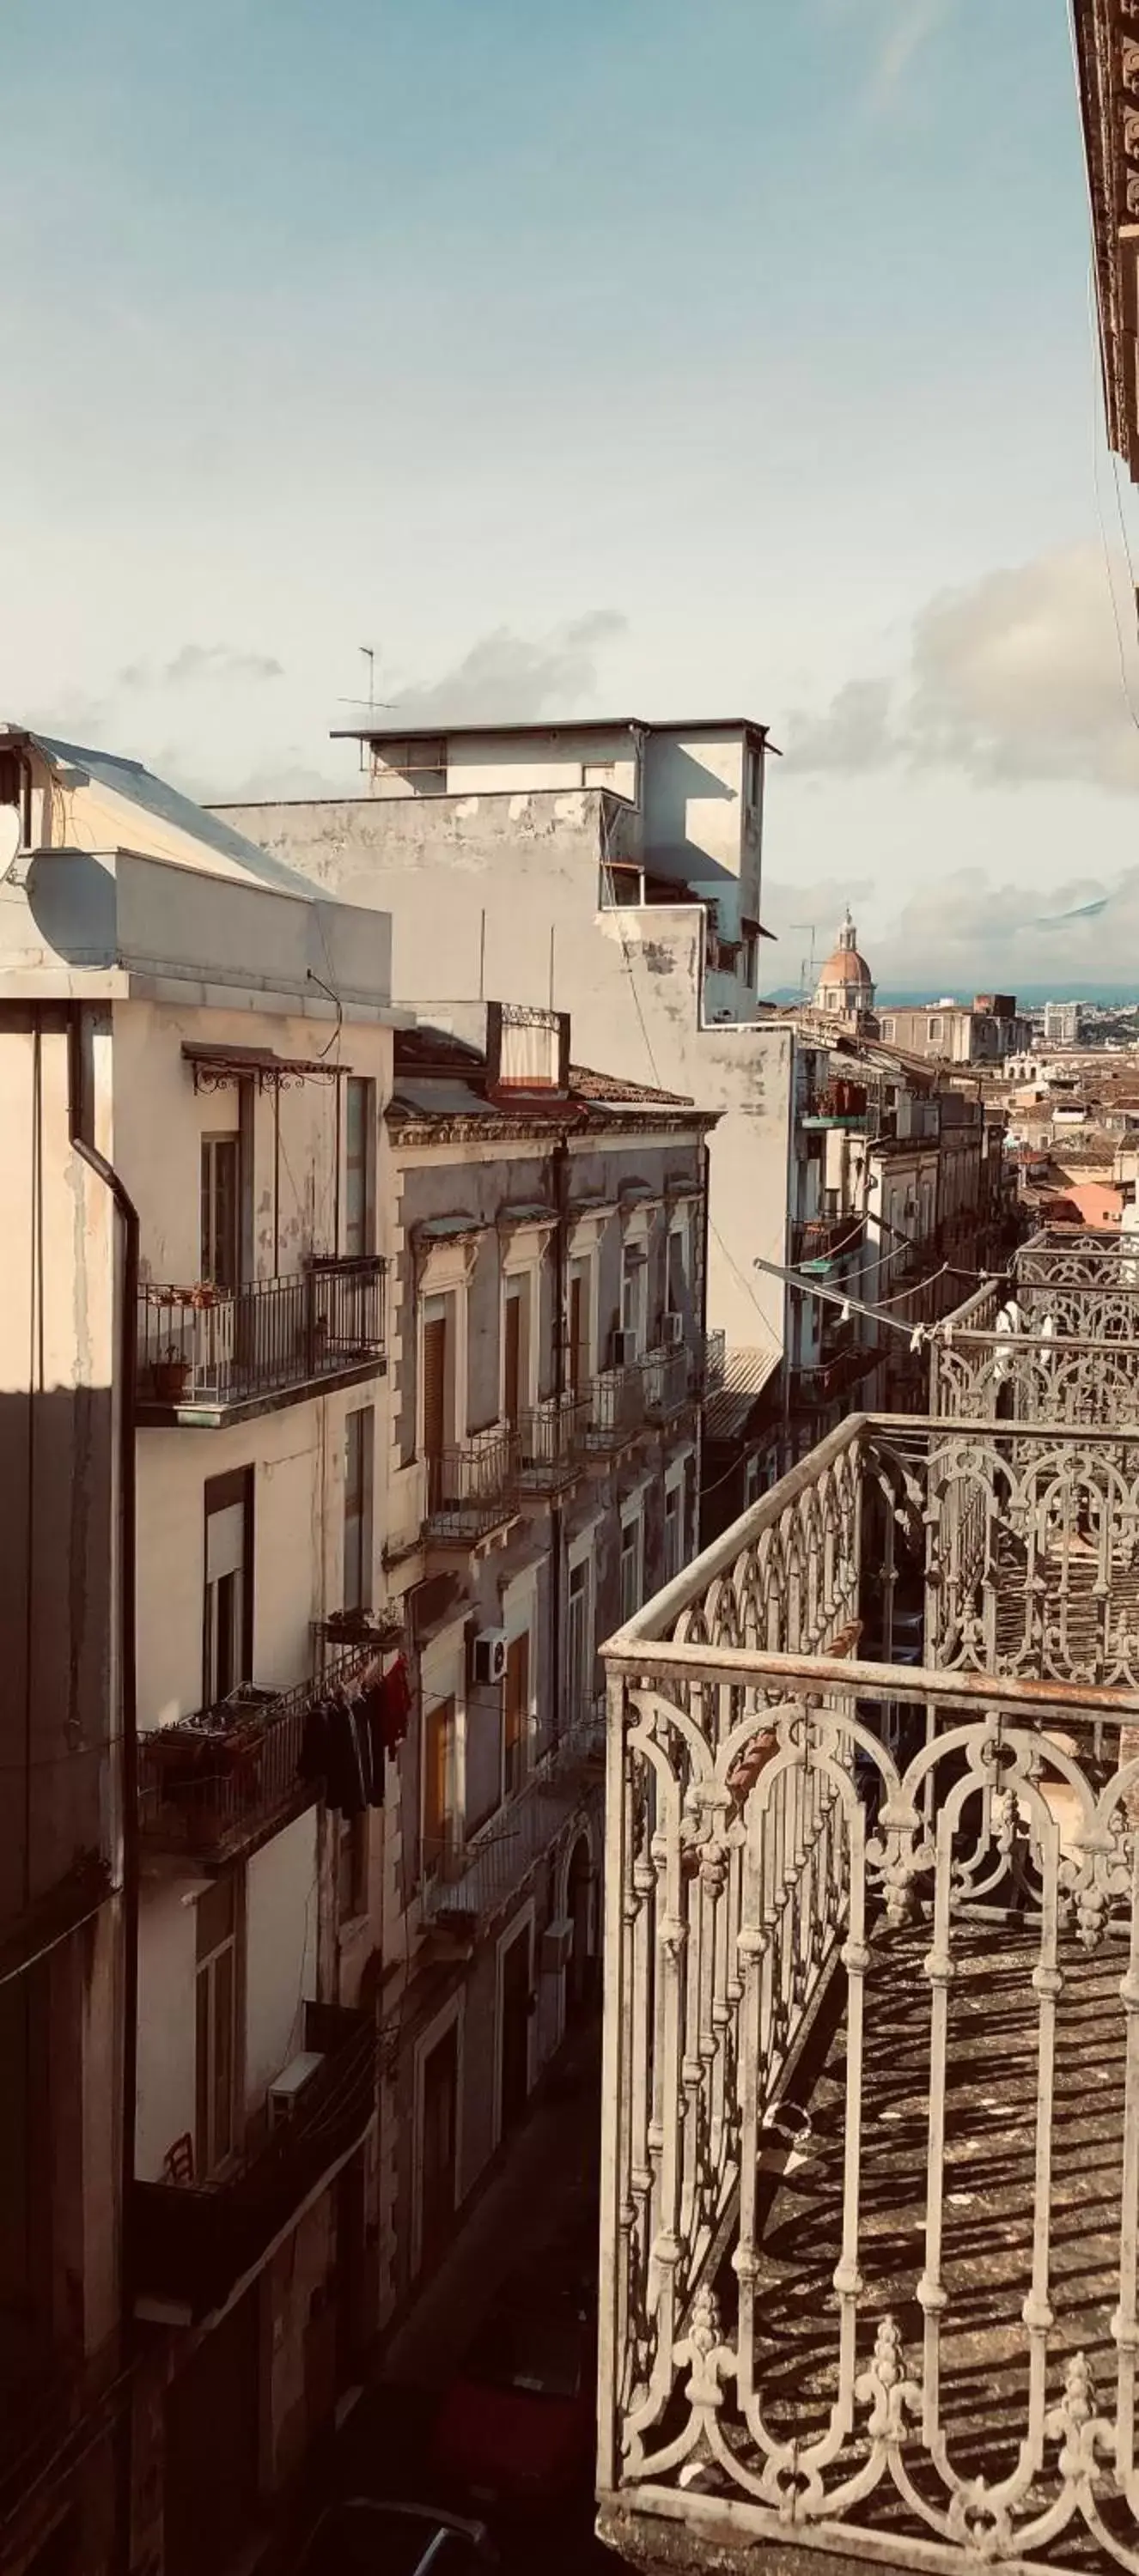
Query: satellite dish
x=9, y=837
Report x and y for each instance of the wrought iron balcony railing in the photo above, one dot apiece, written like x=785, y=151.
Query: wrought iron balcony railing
x=212, y=1782
x=667, y=1384
x=472, y=1487
x=551, y=1441
x=839, y=1104
x=616, y=1408
x=472, y=1882
x=193, y=2241
x=871, y=2126
x=822, y=1382
x=204, y=1351
x=1074, y=1356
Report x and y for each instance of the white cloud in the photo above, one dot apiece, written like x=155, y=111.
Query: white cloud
x=1013, y=679
x=195, y=664
x=513, y=678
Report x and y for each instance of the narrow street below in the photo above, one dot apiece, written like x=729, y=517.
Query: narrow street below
x=540, y=2210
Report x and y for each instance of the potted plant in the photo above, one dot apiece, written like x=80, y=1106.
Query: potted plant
x=171, y=1376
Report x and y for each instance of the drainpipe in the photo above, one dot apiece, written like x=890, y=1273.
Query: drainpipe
x=559, y=1172
x=705, y=1219
x=128, y=1698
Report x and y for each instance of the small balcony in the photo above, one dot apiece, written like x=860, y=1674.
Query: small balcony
x=826, y=1380
x=667, y=1384
x=228, y=1776
x=839, y=1104
x=193, y=2242
x=550, y=1441
x=820, y=1243
x=615, y=1409
x=471, y=1489
x=476, y=1881
x=208, y=1356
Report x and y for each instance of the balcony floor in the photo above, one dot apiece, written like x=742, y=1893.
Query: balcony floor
x=987, y=2208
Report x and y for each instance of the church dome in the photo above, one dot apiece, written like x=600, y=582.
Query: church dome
x=845, y=983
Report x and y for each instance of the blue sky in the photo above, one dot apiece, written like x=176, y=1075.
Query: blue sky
x=661, y=355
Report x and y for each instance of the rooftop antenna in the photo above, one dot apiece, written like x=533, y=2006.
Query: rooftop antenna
x=806, y=964
x=381, y=706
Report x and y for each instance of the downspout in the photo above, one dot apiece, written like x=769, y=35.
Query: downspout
x=128, y=1723
x=559, y=1168
x=706, y=1179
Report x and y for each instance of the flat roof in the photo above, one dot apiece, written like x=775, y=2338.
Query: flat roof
x=418, y=731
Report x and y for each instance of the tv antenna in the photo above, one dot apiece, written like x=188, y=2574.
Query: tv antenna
x=382, y=706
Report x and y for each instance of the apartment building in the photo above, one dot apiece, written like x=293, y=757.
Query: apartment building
x=983, y=1032
x=547, y=1361
x=196, y=1055
x=614, y=868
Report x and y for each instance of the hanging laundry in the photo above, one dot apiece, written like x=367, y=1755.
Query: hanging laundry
x=395, y=1689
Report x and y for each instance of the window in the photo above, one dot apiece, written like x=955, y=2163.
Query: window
x=438, y=1784
x=673, y=1531
x=352, y=1868
x=360, y=1167
x=934, y=1033
x=887, y=1028
x=215, y=2005
x=579, y=1640
x=677, y=1298
x=220, y=1206
x=515, y=1348
x=632, y=1564
x=516, y=1714
x=580, y=1326
x=227, y=1641
x=754, y=778
x=634, y=1281
x=359, y=1447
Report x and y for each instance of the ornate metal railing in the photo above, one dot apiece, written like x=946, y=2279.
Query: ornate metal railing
x=822, y=1240
x=210, y=1347
x=667, y=1377
x=616, y=1407
x=869, y=2277
x=1035, y=1378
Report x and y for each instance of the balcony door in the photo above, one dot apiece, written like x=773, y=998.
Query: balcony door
x=516, y=1714
x=219, y=1258
x=515, y=1983
x=438, y=1400
x=579, y=1327
x=440, y=2145
x=227, y=1609
x=579, y=1641
x=515, y=1350
x=438, y=1785
x=359, y=1167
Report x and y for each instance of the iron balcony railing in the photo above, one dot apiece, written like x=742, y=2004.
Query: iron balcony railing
x=206, y=1347
x=870, y=2122
x=471, y=1487
x=550, y=1443
x=1056, y=1340
x=194, y=2241
x=210, y=1782
x=615, y=1407
x=668, y=1386
x=471, y=1882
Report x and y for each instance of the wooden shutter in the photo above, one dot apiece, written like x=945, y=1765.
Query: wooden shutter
x=512, y=1358
x=435, y=1386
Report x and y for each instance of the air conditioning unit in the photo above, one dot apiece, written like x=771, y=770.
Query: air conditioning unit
x=490, y=1655
x=672, y=1331
x=285, y=2094
x=622, y=1348
x=557, y=1944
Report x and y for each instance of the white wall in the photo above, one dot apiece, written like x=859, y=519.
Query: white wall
x=298, y=1457
x=630, y=979
x=167, y=1955
x=281, y=1904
